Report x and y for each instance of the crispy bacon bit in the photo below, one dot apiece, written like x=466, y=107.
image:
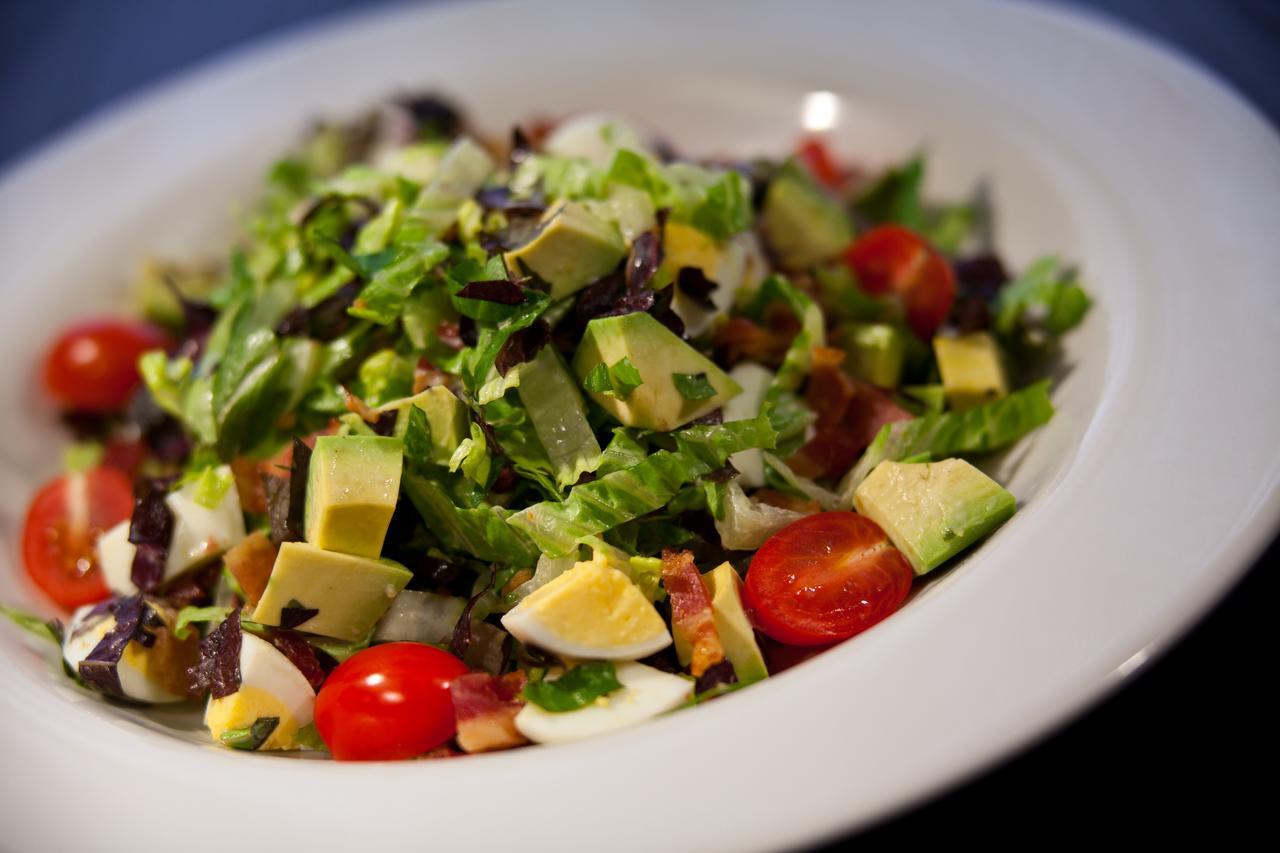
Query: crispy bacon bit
x=697, y=641
x=785, y=501
x=354, y=404
x=426, y=375
x=450, y=334
x=253, y=496
x=741, y=338
x=250, y=564
x=850, y=413
x=445, y=751
x=486, y=707
x=516, y=580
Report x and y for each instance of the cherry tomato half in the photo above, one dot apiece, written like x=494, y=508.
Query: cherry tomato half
x=815, y=155
x=93, y=366
x=893, y=259
x=63, y=525
x=825, y=578
x=388, y=702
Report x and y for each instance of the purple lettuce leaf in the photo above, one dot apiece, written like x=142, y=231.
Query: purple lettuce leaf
x=150, y=529
x=100, y=669
x=219, y=668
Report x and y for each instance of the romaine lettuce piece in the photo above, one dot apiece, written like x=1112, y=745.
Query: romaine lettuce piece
x=481, y=531
x=592, y=508
x=974, y=431
x=550, y=396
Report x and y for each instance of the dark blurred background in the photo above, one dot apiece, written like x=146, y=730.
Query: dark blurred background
x=1180, y=753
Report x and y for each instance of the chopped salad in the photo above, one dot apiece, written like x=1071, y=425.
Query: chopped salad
x=472, y=444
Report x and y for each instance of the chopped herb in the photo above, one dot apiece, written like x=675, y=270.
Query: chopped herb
x=250, y=738
x=693, y=386
x=577, y=688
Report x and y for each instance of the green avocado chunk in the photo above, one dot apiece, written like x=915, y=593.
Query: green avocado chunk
x=659, y=356
x=932, y=511
x=349, y=594
x=875, y=353
x=447, y=418
x=736, y=635
x=352, y=488
x=573, y=248
x=803, y=224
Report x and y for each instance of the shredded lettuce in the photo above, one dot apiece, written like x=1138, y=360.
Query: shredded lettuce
x=43, y=629
x=747, y=523
x=556, y=528
x=799, y=357
x=1041, y=304
x=979, y=430
x=551, y=398
x=577, y=688
x=480, y=531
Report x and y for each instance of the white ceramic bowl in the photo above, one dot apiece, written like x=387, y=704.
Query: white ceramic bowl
x=1147, y=495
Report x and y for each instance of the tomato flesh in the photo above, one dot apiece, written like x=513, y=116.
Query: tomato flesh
x=891, y=259
x=388, y=702
x=93, y=366
x=817, y=158
x=63, y=524
x=825, y=578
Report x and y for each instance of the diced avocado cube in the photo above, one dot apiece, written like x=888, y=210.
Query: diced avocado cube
x=658, y=354
x=573, y=248
x=932, y=397
x=875, y=351
x=972, y=372
x=932, y=511
x=349, y=594
x=736, y=634
x=803, y=224
x=352, y=488
x=628, y=208
x=447, y=418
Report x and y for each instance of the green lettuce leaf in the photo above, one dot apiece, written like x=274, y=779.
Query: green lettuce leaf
x=799, y=358
x=979, y=430
x=1041, y=304
x=593, y=508
x=43, y=629
x=550, y=395
x=577, y=688
x=480, y=531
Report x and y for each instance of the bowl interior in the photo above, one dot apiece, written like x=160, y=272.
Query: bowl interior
x=191, y=213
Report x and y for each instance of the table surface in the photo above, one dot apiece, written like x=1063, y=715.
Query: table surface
x=1169, y=756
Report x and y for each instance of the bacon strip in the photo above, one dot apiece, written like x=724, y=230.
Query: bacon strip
x=850, y=413
x=697, y=641
x=250, y=563
x=485, y=707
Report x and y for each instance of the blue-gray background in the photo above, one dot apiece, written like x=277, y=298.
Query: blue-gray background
x=1171, y=756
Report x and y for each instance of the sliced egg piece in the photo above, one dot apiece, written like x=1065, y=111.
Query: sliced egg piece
x=594, y=137
x=270, y=686
x=725, y=263
x=199, y=535
x=592, y=611
x=646, y=692
x=754, y=380
x=150, y=675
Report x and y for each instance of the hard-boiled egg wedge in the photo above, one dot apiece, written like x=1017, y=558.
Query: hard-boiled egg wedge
x=594, y=137
x=646, y=692
x=199, y=534
x=592, y=611
x=755, y=381
x=155, y=674
x=270, y=687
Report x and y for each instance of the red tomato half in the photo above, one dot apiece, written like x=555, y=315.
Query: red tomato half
x=388, y=702
x=825, y=578
x=893, y=259
x=817, y=158
x=93, y=367
x=64, y=523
